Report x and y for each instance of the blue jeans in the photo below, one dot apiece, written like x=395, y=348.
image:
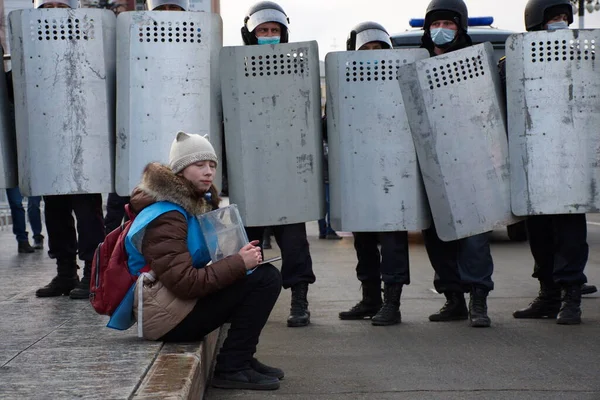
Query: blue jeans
x=15, y=201
x=325, y=223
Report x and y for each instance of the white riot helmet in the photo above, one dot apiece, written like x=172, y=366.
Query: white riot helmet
x=260, y=13
x=154, y=4
x=366, y=32
x=69, y=3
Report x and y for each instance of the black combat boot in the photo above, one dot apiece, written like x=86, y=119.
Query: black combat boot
x=368, y=306
x=299, y=314
x=65, y=280
x=545, y=305
x=389, y=314
x=588, y=289
x=570, y=309
x=25, y=247
x=82, y=291
x=455, y=308
x=478, y=316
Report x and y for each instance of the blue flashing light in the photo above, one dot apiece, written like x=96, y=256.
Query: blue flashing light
x=474, y=21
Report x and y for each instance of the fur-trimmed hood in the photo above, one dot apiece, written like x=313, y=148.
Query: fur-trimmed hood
x=159, y=183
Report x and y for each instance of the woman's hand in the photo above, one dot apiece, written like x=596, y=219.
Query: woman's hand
x=251, y=254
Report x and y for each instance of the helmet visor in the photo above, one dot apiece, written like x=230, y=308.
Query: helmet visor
x=372, y=35
x=266, y=15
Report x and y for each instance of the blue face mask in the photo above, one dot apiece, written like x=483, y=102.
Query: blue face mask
x=269, y=40
x=442, y=36
x=554, y=26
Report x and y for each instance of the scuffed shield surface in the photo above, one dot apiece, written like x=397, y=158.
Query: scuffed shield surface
x=64, y=78
x=553, y=91
x=8, y=145
x=272, y=110
x=375, y=181
x=455, y=111
x=168, y=81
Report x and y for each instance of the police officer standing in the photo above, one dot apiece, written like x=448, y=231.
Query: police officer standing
x=64, y=241
x=463, y=265
x=558, y=242
x=391, y=264
x=267, y=23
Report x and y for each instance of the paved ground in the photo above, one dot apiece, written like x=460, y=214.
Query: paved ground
x=418, y=359
x=59, y=348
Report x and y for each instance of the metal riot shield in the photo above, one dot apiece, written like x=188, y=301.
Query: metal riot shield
x=168, y=81
x=553, y=96
x=63, y=74
x=456, y=115
x=8, y=145
x=374, y=179
x=272, y=110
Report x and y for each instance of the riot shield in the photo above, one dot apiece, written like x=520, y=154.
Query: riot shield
x=8, y=145
x=168, y=81
x=63, y=76
x=553, y=96
x=374, y=179
x=272, y=110
x=456, y=115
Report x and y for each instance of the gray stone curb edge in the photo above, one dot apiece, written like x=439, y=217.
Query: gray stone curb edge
x=180, y=371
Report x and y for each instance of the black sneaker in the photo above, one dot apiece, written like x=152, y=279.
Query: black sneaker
x=266, y=370
x=248, y=379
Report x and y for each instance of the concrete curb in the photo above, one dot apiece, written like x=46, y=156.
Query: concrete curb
x=180, y=372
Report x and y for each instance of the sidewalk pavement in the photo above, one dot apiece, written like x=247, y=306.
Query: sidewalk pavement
x=417, y=359
x=59, y=348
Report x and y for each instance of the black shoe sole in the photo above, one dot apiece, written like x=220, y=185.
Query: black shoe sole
x=386, y=323
x=568, y=321
x=297, y=324
x=536, y=316
x=589, y=290
x=482, y=324
x=224, y=384
x=55, y=294
x=450, y=319
x=357, y=318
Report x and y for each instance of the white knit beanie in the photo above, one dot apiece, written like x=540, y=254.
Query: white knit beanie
x=188, y=148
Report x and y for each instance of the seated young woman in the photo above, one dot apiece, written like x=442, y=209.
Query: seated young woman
x=184, y=297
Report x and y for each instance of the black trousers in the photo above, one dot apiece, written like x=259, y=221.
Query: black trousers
x=390, y=265
x=115, y=211
x=64, y=241
x=460, y=264
x=559, y=247
x=296, y=261
x=246, y=304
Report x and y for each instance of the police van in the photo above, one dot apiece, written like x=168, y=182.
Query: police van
x=480, y=31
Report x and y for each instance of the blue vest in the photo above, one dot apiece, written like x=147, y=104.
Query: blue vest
x=122, y=318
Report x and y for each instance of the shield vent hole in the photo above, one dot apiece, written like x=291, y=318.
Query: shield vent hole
x=563, y=50
x=373, y=71
x=170, y=32
x=62, y=29
x=275, y=64
x=455, y=73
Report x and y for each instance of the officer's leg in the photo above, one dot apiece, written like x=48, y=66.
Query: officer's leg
x=90, y=230
x=296, y=269
x=444, y=259
x=540, y=232
x=368, y=273
x=571, y=257
x=395, y=273
x=115, y=211
x=476, y=266
x=62, y=243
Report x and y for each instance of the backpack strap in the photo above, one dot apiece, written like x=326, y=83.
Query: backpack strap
x=140, y=288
